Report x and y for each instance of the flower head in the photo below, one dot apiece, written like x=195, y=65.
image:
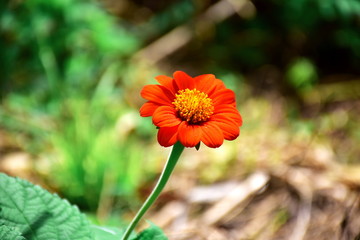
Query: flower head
x=191, y=110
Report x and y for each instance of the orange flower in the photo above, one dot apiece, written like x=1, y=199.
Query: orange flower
x=191, y=110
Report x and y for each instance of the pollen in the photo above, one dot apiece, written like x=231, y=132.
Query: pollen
x=193, y=105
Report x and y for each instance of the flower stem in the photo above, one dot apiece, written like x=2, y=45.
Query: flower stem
x=164, y=177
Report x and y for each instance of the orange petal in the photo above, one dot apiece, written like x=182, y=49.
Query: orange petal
x=207, y=83
x=219, y=84
x=229, y=111
x=183, y=80
x=189, y=135
x=167, y=136
x=167, y=82
x=157, y=94
x=148, y=109
x=212, y=135
x=230, y=128
x=223, y=96
x=165, y=116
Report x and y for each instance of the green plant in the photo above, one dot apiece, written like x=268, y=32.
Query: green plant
x=101, y=163
x=54, y=44
x=61, y=93
x=29, y=212
x=302, y=74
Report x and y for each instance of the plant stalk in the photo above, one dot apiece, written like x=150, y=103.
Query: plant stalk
x=164, y=177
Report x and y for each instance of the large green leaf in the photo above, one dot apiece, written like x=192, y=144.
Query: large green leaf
x=38, y=214
x=9, y=233
x=107, y=233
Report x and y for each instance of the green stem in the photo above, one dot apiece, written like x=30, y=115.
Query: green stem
x=164, y=177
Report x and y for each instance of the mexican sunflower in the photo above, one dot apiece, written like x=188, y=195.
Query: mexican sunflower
x=191, y=110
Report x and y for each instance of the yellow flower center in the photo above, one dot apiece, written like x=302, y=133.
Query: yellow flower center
x=193, y=106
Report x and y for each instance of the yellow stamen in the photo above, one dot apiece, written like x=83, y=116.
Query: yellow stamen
x=193, y=106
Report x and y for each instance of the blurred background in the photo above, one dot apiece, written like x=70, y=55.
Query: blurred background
x=71, y=74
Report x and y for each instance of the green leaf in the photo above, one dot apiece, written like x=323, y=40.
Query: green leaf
x=107, y=233
x=151, y=233
x=302, y=74
x=10, y=233
x=38, y=214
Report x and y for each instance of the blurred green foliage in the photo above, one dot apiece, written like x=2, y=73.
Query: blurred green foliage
x=302, y=74
x=60, y=68
x=282, y=32
x=49, y=45
x=175, y=14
